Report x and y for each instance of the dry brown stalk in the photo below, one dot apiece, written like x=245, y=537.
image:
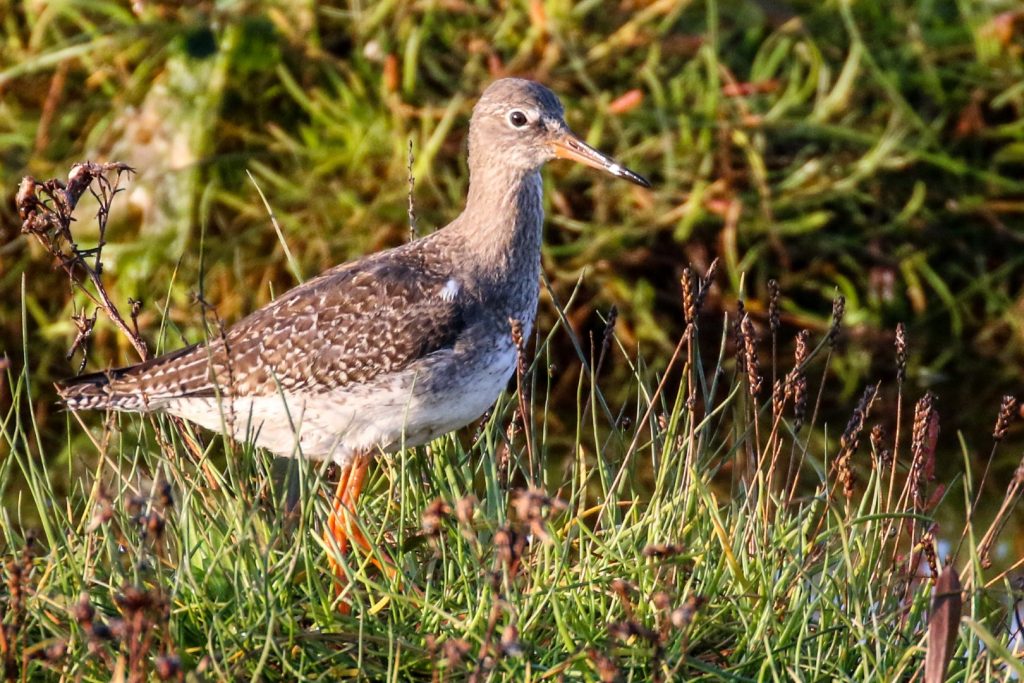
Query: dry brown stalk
x=47, y=213
x=606, y=341
x=748, y=358
x=901, y=353
x=1010, y=500
x=738, y=341
x=521, y=391
x=411, y=210
x=831, y=338
x=796, y=390
x=924, y=435
x=774, y=322
x=1008, y=410
x=901, y=374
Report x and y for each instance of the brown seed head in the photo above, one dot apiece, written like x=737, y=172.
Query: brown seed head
x=506, y=543
x=100, y=631
x=133, y=599
x=83, y=611
x=683, y=615
x=154, y=525
x=705, y=287
x=850, y=440
x=778, y=398
x=801, y=351
x=103, y=513
x=923, y=439
x=883, y=454
x=15, y=580
x=25, y=199
x=901, y=353
x=1007, y=411
x=689, y=296
x=465, y=508
x=533, y=506
x=607, y=670
x=739, y=341
x=663, y=550
x=510, y=646
x=838, y=311
x=796, y=380
x=749, y=335
x=56, y=651
x=166, y=496
x=930, y=554
x=454, y=651
x=661, y=600
x=434, y=515
x=624, y=630
x=517, y=334
x=167, y=667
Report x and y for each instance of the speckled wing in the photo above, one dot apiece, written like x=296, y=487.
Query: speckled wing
x=347, y=326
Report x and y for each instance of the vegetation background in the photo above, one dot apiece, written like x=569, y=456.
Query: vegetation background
x=871, y=149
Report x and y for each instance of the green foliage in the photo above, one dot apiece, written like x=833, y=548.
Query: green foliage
x=662, y=542
x=871, y=149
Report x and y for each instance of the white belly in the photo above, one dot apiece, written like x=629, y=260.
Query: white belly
x=408, y=409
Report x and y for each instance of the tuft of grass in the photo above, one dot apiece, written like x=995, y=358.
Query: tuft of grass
x=689, y=512
x=699, y=530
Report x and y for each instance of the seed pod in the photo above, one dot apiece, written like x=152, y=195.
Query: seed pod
x=773, y=306
x=901, y=353
x=1007, y=411
x=838, y=311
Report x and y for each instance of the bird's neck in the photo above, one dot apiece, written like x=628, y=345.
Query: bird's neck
x=499, y=232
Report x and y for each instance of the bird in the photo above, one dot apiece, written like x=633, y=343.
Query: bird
x=391, y=350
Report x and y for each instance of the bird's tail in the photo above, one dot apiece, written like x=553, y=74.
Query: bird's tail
x=117, y=389
x=95, y=391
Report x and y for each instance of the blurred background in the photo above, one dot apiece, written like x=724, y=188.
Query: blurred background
x=871, y=149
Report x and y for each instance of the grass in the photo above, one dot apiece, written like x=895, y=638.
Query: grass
x=749, y=553
x=679, y=525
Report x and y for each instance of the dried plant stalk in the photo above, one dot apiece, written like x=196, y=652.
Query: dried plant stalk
x=47, y=212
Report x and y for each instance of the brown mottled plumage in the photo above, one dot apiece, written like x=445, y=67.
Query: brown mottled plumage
x=396, y=348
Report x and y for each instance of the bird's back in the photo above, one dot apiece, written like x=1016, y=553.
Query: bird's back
x=359, y=321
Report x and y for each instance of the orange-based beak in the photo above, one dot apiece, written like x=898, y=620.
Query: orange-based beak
x=568, y=146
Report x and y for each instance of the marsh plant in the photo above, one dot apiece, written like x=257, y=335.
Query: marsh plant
x=710, y=527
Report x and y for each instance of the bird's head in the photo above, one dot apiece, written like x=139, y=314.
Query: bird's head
x=521, y=124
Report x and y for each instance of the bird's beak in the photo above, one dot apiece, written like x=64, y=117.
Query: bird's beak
x=568, y=146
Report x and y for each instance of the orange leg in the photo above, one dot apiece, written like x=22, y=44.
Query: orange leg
x=341, y=525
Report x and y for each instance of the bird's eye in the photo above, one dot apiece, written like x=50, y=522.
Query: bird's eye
x=517, y=118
